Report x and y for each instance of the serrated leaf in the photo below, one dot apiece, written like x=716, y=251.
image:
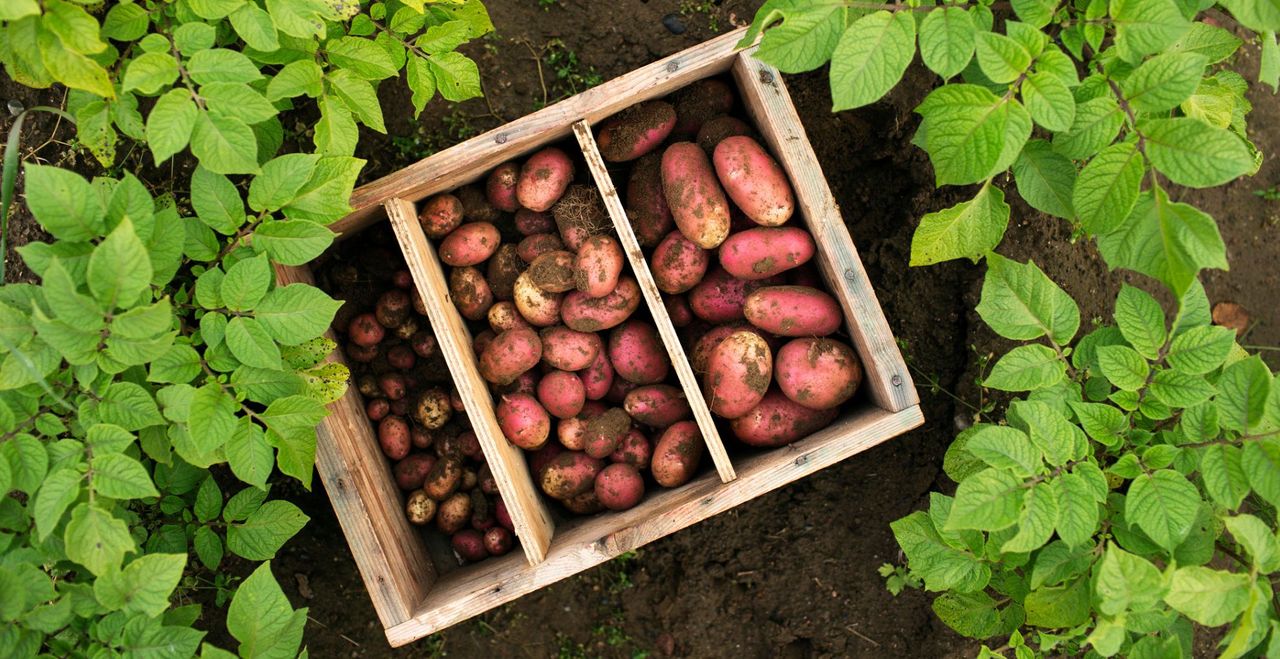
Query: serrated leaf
x=1045, y=179
x=969, y=229
x=1169, y=241
x=870, y=58
x=1049, y=101
x=1164, y=504
x=1193, y=153
x=1020, y=302
x=941, y=566
x=1096, y=124
x=1026, y=368
x=947, y=36
x=1108, y=188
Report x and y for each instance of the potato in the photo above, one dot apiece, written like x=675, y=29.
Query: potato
x=470, y=292
x=535, y=245
x=637, y=353
x=778, y=421
x=820, y=374
x=476, y=206
x=697, y=203
x=497, y=541
x=454, y=513
x=432, y=409
x=571, y=473
x=739, y=371
x=401, y=357
x=503, y=268
x=503, y=316
x=584, y=504
x=523, y=421
x=763, y=252
x=579, y=215
x=468, y=544
x=470, y=244
x=418, y=305
x=510, y=354
x=569, y=350
x=793, y=311
x=543, y=178
x=553, y=272
x=500, y=187
x=470, y=444
x=412, y=470
x=754, y=181
x=368, y=387
x=646, y=204
x=440, y=215
x=572, y=433
x=657, y=405
x=420, y=437
x=719, y=297
x=529, y=222
x=361, y=354
x=540, y=459
x=484, y=478
x=420, y=509
x=716, y=129
x=503, y=517
x=402, y=279
x=698, y=103
x=619, y=486
x=592, y=314
x=469, y=480
x=377, y=409
x=634, y=449
x=635, y=131
x=423, y=344
x=561, y=394
x=401, y=408
x=393, y=386
x=598, y=266
x=443, y=479
x=592, y=409
x=482, y=340
x=676, y=455
x=618, y=391
x=365, y=330
x=392, y=308
x=537, y=306
x=405, y=330
x=393, y=436
x=678, y=310
x=597, y=377
x=526, y=383
x=605, y=432
x=678, y=264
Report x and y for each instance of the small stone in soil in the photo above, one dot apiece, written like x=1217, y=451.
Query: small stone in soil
x=673, y=24
x=1231, y=316
x=304, y=586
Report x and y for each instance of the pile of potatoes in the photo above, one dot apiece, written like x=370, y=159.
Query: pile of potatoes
x=421, y=425
x=582, y=381
x=714, y=209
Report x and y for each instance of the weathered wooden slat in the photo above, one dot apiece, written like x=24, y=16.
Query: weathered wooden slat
x=529, y=513
x=653, y=298
x=766, y=99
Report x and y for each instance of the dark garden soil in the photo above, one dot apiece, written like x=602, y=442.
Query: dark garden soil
x=792, y=573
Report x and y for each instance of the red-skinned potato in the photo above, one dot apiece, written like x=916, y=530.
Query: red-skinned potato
x=604, y=432
x=678, y=310
x=597, y=377
x=584, y=504
x=593, y=314
x=361, y=354
x=619, y=486
x=475, y=204
x=579, y=215
x=778, y=421
x=618, y=390
x=482, y=340
x=402, y=279
x=497, y=541
x=561, y=394
x=500, y=187
x=470, y=292
x=418, y=305
x=432, y=408
x=738, y=374
x=488, y=484
x=510, y=354
x=569, y=350
x=523, y=421
x=529, y=222
x=697, y=203
x=754, y=181
x=470, y=444
x=393, y=435
x=503, y=316
x=646, y=204
x=423, y=344
x=502, y=516
x=454, y=513
x=401, y=357
x=420, y=437
x=526, y=383
x=540, y=459
x=819, y=374
x=377, y=409
x=657, y=405
x=678, y=264
x=540, y=308
x=412, y=471
x=456, y=402
x=719, y=297
x=365, y=330
x=440, y=215
x=571, y=473
x=637, y=354
x=572, y=433
x=469, y=545
x=503, y=268
x=793, y=311
x=535, y=245
x=392, y=308
x=400, y=407
x=393, y=386
x=443, y=479
x=553, y=272
x=716, y=129
x=698, y=103
x=420, y=509
x=635, y=131
x=598, y=266
x=470, y=244
x=676, y=455
x=763, y=252
x=634, y=449
x=543, y=179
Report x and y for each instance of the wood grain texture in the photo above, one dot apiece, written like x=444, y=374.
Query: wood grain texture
x=388, y=550
x=465, y=162
x=594, y=540
x=769, y=105
x=653, y=298
x=529, y=513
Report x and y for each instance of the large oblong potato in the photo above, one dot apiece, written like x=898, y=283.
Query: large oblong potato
x=636, y=130
x=778, y=421
x=646, y=204
x=793, y=311
x=820, y=374
x=593, y=314
x=763, y=252
x=754, y=180
x=697, y=203
x=543, y=178
x=676, y=456
x=739, y=371
x=470, y=244
x=509, y=354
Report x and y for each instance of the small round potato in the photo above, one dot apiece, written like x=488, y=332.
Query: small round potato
x=543, y=179
x=657, y=405
x=593, y=314
x=678, y=264
x=440, y=215
x=454, y=513
x=571, y=473
x=676, y=455
x=523, y=420
x=420, y=508
x=820, y=374
x=443, y=479
x=470, y=292
x=509, y=355
x=619, y=486
x=470, y=244
x=637, y=353
x=605, y=432
x=469, y=545
x=393, y=435
x=500, y=187
x=561, y=393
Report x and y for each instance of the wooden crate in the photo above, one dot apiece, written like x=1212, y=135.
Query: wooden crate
x=414, y=598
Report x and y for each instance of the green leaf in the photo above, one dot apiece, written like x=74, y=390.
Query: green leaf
x=870, y=58
x=1020, y=302
x=444, y=37
x=1096, y=125
x=1049, y=101
x=1049, y=429
x=1164, y=81
x=119, y=476
x=1200, y=350
x=193, y=37
x=293, y=413
x=58, y=491
x=1207, y=596
x=179, y=364
x=224, y=145
x=324, y=198
x=266, y=529
x=243, y=503
x=18, y=9
x=246, y=283
x=1108, y=188
x=1164, y=505
x=971, y=614
x=255, y=27
x=251, y=344
x=261, y=618
x=208, y=503
x=71, y=68
x=1223, y=474
x=292, y=242
x=28, y=462
x=335, y=132
x=96, y=539
x=238, y=100
x=249, y=455
x=1269, y=70
x=947, y=37
x=143, y=586
x=1257, y=15
x=1002, y=59
x=73, y=26
x=170, y=124
x=1036, y=12
x=280, y=180
x=1257, y=538
x=1103, y=423
x=1180, y=390
x=970, y=229
x=63, y=203
x=941, y=566
x=1214, y=43
x=1144, y=27
x=1059, y=606
x=1193, y=153
x=208, y=547
x=359, y=97
x=457, y=77
x=1045, y=179
x=1126, y=582
x=422, y=83
x=1261, y=464
x=212, y=417
x=1037, y=520
x=214, y=9
x=295, y=79
x=989, y=500
x=804, y=40
x=119, y=268
x=970, y=133
x=129, y=406
x=1169, y=241
x=296, y=313
x=150, y=72
x=1057, y=563
x=362, y=57
x=216, y=201
x=1242, y=393
x=1141, y=321
x=1005, y=448
x=221, y=65
x=1026, y=368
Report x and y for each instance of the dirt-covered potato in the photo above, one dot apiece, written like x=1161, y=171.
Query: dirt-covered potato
x=739, y=371
x=718, y=128
x=532, y=246
x=502, y=516
x=597, y=377
x=510, y=354
x=634, y=449
x=697, y=202
x=539, y=307
x=424, y=344
x=778, y=421
x=420, y=509
x=698, y=103
x=719, y=297
x=470, y=244
x=523, y=420
x=677, y=454
x=678, y=310
x=401, y=357
x=553, y=271
x=763, y=252
x=377, y=409
x=393, y=386
x=393, y=436
x=433, y=409
x=454, y=513
x=503, y=316
x=646, y=204
x=657, y=405
x=579, y=215
x=365, y=330
x=569, y=350
x=619, y=486
x=605, y=432
x=593, y=314
x=469, y=545
x=498, y=541
x=678, y=264
x=561, y=393
x=754, y=180
x=411, y=472
x=637, y=353
x=503, y=268
x=393, y=308
x=820, y=374
x=500, y=187
x=598, y=265
x=543, y=179
x=793, y=311
x=636, y=130
x=440, y=215
x=470, y=292
x=529, y=222
x=571, y=473
x=584, y=504
x=443, y=479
